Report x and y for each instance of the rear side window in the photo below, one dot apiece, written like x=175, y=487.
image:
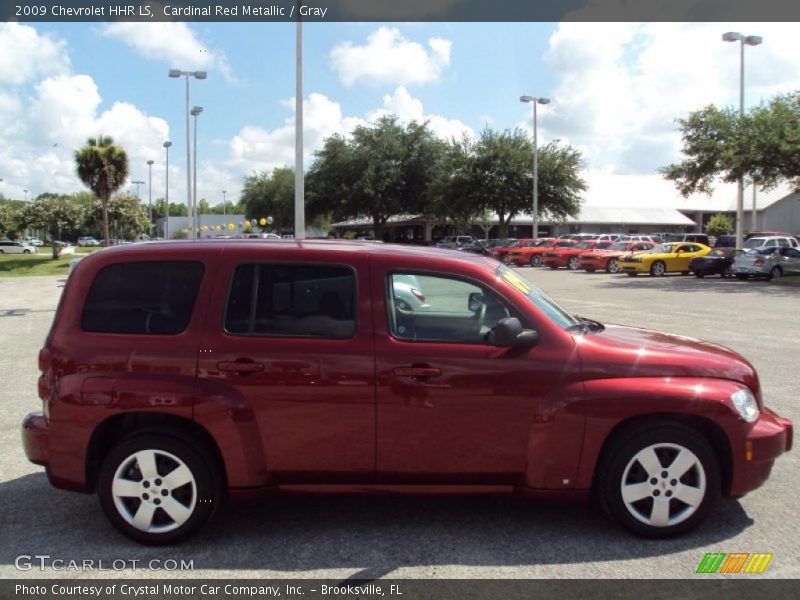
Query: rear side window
x=282, y=300
x=147, y=298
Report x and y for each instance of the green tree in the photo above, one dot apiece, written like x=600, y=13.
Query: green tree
x=203, y=207
x=718, y=143
x=53, y=214
x=128, y=215
x=495, y=174
x=719, y=224
x=10, y=220
x=383, y=170
x=269, y=195
x=103, y=168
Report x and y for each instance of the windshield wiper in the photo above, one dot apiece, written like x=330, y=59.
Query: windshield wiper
x=586, y=325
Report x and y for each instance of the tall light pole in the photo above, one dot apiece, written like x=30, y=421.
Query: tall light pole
x=166, y=194
x=26, y=195
x=150, y=194
x=749, y=40
x=534, y=101
x=224, y=193
x=175, y=73
x=299, y=191
x=195, y=112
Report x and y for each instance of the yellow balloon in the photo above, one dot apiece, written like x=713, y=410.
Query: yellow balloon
x=205, y=227
x=246, y=225
x=231, y=226
x=218, y=227
x=262, y=221
x=185, y=230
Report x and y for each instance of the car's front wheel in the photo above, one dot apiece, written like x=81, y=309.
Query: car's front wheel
x=662, y=480
x=612, y=266
x=536, y=260
x=574, y=263
x=658, y=269
x=157, y=489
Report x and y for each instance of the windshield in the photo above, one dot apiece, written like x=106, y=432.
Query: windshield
x=583, y=245
x=754, y=243
x=537, y=297
x=662, y=249
x=619, y=246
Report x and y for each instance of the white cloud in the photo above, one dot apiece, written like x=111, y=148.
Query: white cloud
x=390, y=58
x=407, y=108
x=25, y=54
x=174, y=44
x=621, y=86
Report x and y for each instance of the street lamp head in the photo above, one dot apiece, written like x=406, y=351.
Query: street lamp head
x=753, y=40
x=200, y=74
x=196, y=111
x=731, y=36
x=527, y=99
x=167, y=144
x=543, y=100
x=150, y=162
x=175, y=73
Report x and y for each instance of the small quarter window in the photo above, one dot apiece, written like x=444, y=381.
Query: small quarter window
x=148, y=298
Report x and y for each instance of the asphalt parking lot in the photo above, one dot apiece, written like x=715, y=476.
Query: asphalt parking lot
x=404, y=537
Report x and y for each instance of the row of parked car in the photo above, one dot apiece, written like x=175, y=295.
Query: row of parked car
x=767, y=254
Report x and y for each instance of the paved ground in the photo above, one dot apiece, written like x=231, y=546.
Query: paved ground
x=429, y=537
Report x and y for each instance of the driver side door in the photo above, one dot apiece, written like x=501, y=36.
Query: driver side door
x=451, y=408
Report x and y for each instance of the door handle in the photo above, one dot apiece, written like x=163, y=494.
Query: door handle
x=417, y=371
x=237, y=366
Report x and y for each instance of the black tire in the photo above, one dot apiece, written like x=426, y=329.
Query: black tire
x=685, y=272
x=574, y=263
x=741, y=276
x=699, y=274
x=26, y=251
x=207, y=492
x=658, y=269
x=536, y=260
x=667, y=439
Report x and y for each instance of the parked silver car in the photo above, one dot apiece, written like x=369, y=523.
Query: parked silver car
x=769, y=262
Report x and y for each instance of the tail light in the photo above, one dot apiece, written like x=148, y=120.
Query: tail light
x=44, y=359
x=758, y=262
x=418, y=295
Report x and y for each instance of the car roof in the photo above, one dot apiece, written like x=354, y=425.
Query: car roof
x=334, y=249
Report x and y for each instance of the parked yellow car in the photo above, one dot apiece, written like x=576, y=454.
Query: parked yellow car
x=673, y=257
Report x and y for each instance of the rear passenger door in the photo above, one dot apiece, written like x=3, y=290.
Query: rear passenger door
x=289, y=350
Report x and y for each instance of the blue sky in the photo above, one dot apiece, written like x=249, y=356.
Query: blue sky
x=616, y=90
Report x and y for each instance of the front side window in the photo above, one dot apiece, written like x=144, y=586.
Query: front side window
x=146, y=298
x=433, y=308
x=281, y=300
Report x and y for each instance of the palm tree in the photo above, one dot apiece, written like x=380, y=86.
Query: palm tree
x=103, y=168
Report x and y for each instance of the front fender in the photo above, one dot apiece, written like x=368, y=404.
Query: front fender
x=610, y=402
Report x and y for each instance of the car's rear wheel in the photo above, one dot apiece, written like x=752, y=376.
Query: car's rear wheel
x=536, y=260
x=741, y=276
x=612, y=266
x=573, y=263
x=658, y=269
x=775, y=273
x=26, y=251
x=157, y=489
x=660, y=481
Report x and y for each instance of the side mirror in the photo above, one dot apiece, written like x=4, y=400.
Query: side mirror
x=475, y=302
x=508, y=333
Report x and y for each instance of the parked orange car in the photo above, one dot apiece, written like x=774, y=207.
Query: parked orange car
x=570, y=256
x=533, y=256
x=608, y=258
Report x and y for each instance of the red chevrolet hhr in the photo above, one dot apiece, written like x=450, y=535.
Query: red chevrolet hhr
x=178, y=373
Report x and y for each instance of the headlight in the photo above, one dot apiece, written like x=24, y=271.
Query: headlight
x=745, y=403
